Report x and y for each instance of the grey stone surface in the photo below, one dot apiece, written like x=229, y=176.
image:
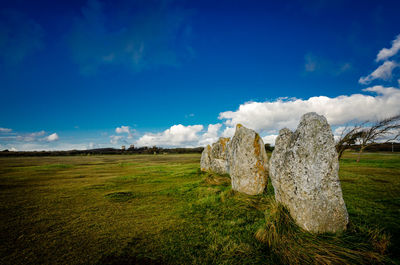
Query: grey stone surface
x=304, y=171
x=248, y=161
x=219, y=156
x=205, y=161
x=214, y=158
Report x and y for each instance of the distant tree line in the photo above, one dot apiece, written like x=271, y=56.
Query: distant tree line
x=106, y=151
x=367, y=136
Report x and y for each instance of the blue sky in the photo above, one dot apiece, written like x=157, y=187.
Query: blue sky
x=87, y=74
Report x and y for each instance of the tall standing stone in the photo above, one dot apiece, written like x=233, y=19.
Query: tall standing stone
x=304, y=171
x=215, y=158
x=248, y=161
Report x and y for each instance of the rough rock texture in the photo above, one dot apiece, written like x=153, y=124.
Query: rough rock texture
x=248, y=161
x=214, y=158
x=205, y=161
x=304, y=170
x=219, y=156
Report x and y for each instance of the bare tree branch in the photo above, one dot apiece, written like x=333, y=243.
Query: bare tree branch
x=382, y=131
x=385, y=130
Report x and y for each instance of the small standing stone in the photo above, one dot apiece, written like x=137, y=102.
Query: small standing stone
x=248, y=161
x=219, y=155
x=214, y=158
x=205, y=161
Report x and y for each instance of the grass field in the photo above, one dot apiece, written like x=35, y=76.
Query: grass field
x=157, y=209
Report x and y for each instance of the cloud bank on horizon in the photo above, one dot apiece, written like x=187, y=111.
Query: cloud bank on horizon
x=267, y=118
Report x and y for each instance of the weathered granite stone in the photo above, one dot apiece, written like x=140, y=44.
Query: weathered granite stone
x=304, y=170
x=219, y=156
x=214, y=158
x=205, y=161
x=248, y=161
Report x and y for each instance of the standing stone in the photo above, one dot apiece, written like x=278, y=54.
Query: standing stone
x=219, y=156
x=248, y=161
x=214, y=158
x=205, y=161
x=304, y=171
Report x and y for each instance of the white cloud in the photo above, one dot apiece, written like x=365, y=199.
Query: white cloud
x=52, y=137
x=191, y=136
x=340, y=131
x=36, y=134
x=30, y=137
x=228, y=131
x=125, y=129
x=5, y=130
x=114, y=139
x=176, y=136
x=38, y=141
x=49, y=146
x=387, y=53
x=211, y=135
x=122, y=129
x=383, y=72
x=270, y=116
x=270, y=139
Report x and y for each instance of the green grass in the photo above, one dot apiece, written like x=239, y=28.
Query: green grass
x=147, y=209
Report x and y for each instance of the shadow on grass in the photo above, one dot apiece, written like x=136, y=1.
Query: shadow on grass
x=132, y=254
x=122, y=196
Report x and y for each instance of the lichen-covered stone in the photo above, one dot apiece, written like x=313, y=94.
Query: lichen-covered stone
x=304, y=170
x=219, y=156
x=214, y=158
x=248, y=161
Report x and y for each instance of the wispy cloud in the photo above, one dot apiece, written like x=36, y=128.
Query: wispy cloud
x=5, y=130
x=49, y=146
x=385, y=53
x=311, y=64
x=383, y=72
x=322, y=65
x=30, y=137
x=141, y=36
x=26, y=141
x=115, y=139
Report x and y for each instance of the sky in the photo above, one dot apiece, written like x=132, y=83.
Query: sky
x=96, y=73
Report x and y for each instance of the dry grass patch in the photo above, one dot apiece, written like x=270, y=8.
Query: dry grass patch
x=292, y=245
